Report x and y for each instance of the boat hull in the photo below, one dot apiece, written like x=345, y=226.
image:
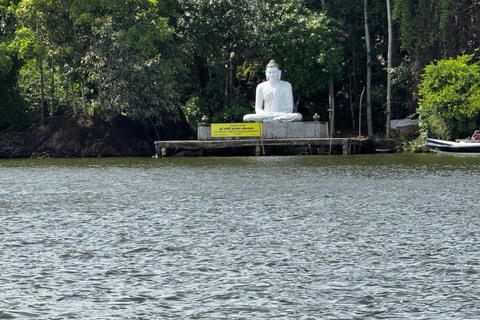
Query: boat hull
x=460, y=147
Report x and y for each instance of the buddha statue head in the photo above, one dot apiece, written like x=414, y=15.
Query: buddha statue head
x=273, y=72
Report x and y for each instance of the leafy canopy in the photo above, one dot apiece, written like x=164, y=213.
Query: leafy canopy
x=304, y=43
x=450, y=98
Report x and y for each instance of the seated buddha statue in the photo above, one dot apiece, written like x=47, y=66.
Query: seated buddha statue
x=273, y=99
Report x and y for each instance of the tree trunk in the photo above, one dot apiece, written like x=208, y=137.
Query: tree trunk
x=52, y=92
x=100, y=94
x=331, y=103
x=369, y=71
x=350, y=99
x=74, y=106
x=42, y=89
x=67, y=89
x=84, y=107
x=355, y=93
x=389, y=68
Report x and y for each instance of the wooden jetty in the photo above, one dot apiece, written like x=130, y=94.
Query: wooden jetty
x=255, y=139
x=259, y=147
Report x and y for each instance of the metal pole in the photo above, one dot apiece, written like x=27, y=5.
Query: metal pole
x=261, y=138
x=360, y=114
x=330, y=112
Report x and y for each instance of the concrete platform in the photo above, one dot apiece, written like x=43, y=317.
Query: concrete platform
x=282, y=130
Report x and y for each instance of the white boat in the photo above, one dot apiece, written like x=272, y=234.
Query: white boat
x=463, y=147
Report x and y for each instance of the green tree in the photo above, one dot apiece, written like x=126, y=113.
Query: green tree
x=131, y=56
x=6, y=62
x=7, y=20
x=30, y=42
x=13, y=111
x=230, y=42
x=449, y=104
x=109, y=56
x=222, y=40
x=423, y=27
x=131, y=63
x=349, y=19
x=13, y=114
x=431, y=30
x=304, y=43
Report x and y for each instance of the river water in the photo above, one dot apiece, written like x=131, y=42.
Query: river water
x=392, y=236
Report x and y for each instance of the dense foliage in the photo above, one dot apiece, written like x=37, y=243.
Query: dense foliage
x=449, y=105
x=147, y=57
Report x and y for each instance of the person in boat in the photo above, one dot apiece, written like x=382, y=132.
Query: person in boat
x=273, y=99
x=476, y=135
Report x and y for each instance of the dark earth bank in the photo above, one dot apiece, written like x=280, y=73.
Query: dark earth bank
x=90, y=136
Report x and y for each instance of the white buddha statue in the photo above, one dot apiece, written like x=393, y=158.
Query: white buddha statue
x=273, y=99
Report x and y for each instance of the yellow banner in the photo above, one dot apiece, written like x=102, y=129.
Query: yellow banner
x=236, y=129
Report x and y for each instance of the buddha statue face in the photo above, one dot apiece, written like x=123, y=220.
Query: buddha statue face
x=273, y=74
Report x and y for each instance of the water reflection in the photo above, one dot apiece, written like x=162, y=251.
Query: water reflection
x=327, y=237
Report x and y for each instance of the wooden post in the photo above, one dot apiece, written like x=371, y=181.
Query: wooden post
x=258, y=151
x=347, y=147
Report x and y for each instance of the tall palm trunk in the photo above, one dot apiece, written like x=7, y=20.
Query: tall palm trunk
x=369, y=71
x=389, y=68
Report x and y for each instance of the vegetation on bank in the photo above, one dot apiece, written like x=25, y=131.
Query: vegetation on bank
x=147, y=58
x=449, y=93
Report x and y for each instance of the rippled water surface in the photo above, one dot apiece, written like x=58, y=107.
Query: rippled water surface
x=315, y=237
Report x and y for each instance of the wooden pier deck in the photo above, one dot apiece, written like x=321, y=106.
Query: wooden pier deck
x=259, y=147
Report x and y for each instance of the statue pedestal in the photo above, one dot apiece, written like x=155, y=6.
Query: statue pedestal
x=281, y=130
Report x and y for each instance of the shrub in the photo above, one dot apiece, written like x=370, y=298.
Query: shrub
x=449, y=102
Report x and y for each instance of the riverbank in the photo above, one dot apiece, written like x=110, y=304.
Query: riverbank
x=89, y=136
